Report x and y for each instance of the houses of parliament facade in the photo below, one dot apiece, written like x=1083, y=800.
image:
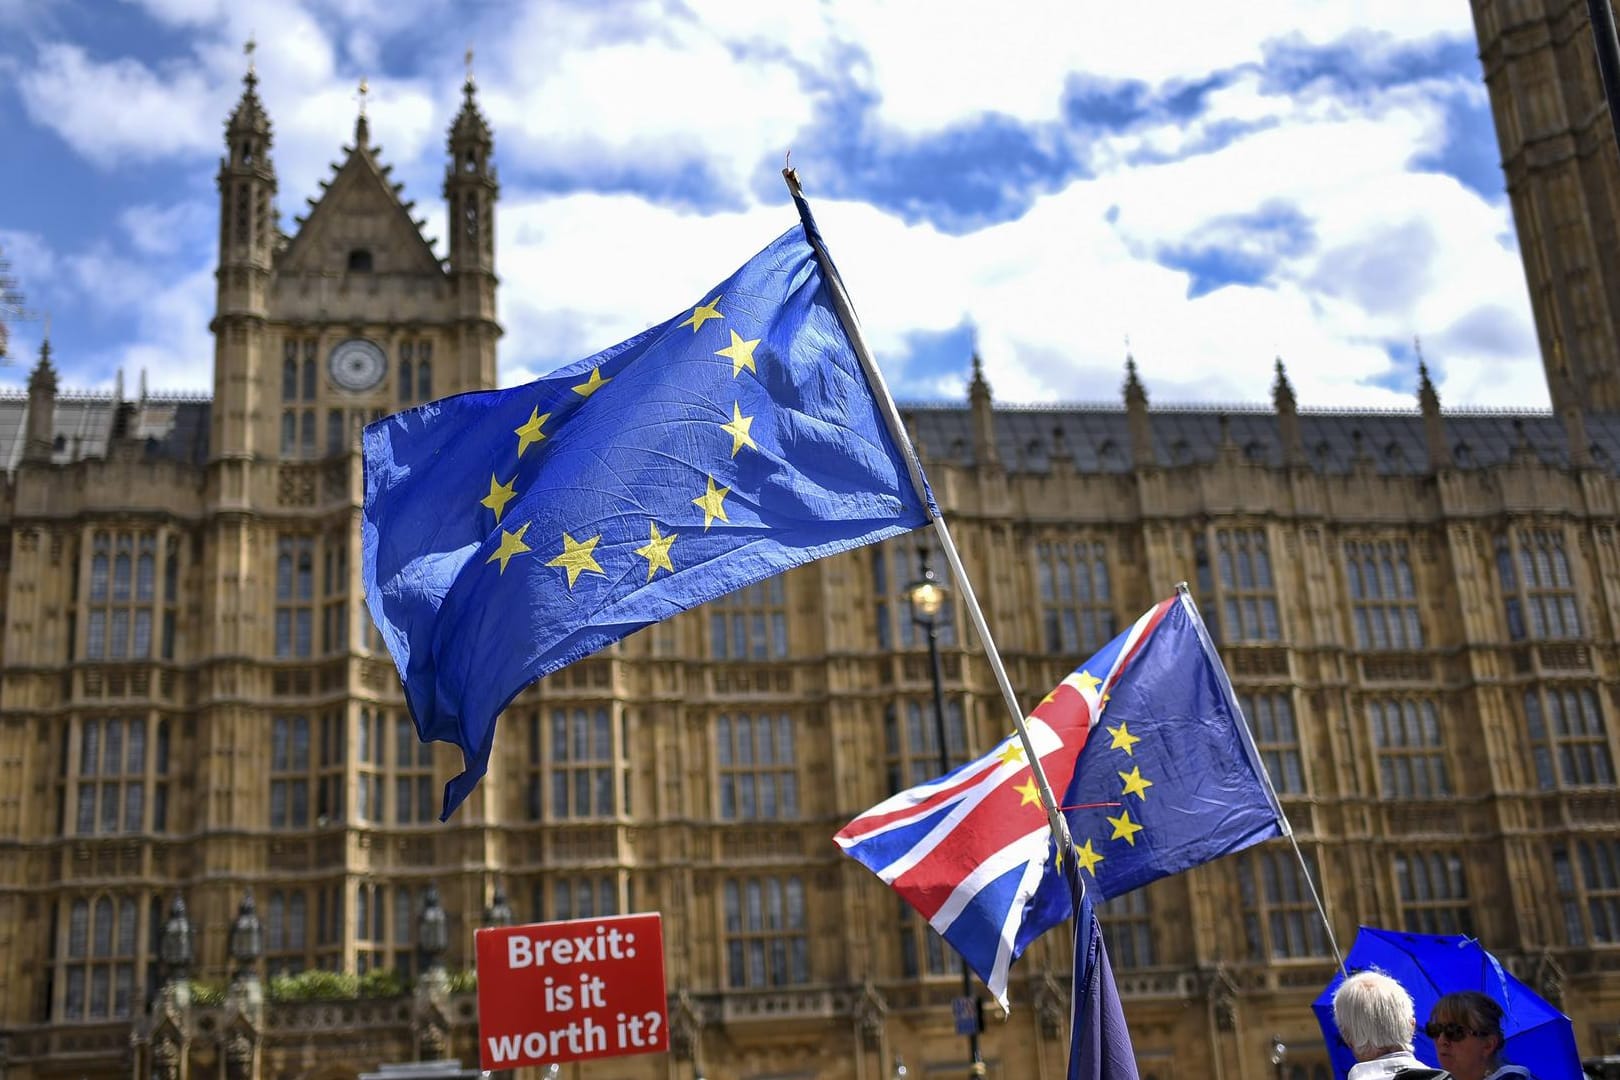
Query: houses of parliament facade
x=219, y=853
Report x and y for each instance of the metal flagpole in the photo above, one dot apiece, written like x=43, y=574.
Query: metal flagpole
x=897, y=431
x=1257, y=761
x=1608, y=57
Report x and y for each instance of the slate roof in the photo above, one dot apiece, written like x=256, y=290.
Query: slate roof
x=1096, y=438
x=174, y=427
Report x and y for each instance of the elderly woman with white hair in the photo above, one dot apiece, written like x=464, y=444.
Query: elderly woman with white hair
x=1375, y=1018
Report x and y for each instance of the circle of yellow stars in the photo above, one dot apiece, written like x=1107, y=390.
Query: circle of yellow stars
x=1132, y=783
x=578, y=556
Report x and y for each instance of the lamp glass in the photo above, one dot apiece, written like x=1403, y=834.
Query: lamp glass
x=927, y=597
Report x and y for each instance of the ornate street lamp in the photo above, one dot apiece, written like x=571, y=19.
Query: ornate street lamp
x=499, y=912
x=432, y=931
x=1279, y=1055
x=927, y=597
x=177, y=946
x=247, y=939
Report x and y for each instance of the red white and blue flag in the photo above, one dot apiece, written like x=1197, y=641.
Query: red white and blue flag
x=1170, y=780
x=969, y=851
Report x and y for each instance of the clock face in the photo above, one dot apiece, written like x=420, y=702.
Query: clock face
x=357, y=364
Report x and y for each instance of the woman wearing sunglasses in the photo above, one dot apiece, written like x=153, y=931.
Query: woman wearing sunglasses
x=1467, y=1031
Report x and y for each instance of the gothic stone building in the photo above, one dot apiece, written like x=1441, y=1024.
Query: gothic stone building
x=1419, y=610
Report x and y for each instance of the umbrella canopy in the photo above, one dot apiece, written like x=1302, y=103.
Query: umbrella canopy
x=1429, y=966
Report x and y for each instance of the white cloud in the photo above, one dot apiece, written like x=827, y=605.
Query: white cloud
x=573, y=90
x=1053, y=293
x=717, y=91
x=119, y=110
x=169, y=311
x=935, y=61
x=168, y=230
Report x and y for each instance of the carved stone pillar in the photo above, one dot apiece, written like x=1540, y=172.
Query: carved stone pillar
x=1051, y=1005
x=166, y=1057
x=869, y=1011
x=239, y=1055
x=685, y=1028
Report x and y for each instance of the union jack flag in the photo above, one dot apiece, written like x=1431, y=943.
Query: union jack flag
x=970, y=851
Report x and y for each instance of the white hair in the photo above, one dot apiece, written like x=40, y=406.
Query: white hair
x=1374, y=1014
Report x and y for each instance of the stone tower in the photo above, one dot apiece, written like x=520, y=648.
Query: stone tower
x=470, y=191
x=1563, y=177
x=247, y=239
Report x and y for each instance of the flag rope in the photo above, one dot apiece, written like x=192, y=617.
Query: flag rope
x=897, y=431
x=1259, y=764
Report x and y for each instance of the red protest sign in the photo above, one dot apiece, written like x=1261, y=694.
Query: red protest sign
x=570, y=991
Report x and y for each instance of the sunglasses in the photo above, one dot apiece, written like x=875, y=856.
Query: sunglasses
x=1452, y=1032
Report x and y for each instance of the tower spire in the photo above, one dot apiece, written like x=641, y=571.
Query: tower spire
x=470, y=193
x=362, y=129
x=41, y=406
x=1136, y=414
x=1434, y=425
x=1282, y=397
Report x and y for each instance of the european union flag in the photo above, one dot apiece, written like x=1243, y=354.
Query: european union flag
x=508, y=533
x=1099, y=1042
x=1168, y=778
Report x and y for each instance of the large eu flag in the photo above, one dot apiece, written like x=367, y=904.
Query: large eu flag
x=508, y=533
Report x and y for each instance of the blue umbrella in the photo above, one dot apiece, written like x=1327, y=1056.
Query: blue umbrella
x=1537, y=1036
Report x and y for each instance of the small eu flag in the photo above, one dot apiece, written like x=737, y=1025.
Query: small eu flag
x=1168, y=778
x=508, y=533
x=1099, y=1042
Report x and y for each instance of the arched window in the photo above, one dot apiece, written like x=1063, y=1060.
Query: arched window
x=309, y=374
x=405, y=381
x=289, y=373
x=98, y=567
x=101, y=959
x=360, y=261
x=424, y=374
x=121, y=569
x=289, y=432
x=146, y=569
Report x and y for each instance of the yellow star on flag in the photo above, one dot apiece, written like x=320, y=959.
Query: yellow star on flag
x=1051, y=696
x=530, y=432
x=1087, y=857
x=511, y=544
x=593, y=384
x=1011, y=754
x=713, y=503
x=1088, y=682
x=740, y=353
x=702, y=314
x=577, y=558
x=738, y=430
x=1030, y=792
x=499, y=495
x=1135, y=784
x=1124, y=828
x=657, y=552
x=1123, y=739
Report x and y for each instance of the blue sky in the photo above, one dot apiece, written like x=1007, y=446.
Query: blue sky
x=1306, y=180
